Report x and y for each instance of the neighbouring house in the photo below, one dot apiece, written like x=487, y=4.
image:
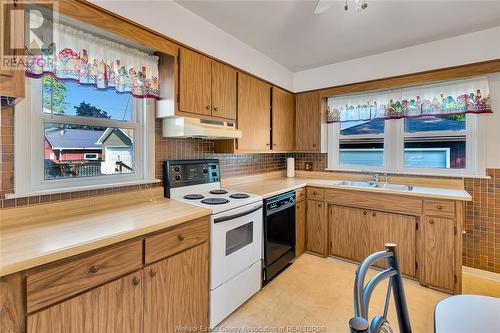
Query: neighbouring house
x=86, y=152
x=72, y=152
x=419, y=151
x=117, y=151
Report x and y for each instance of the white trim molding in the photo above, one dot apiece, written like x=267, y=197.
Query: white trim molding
x=29, y=142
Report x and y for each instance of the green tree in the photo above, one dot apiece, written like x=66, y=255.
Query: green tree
x=54, y=95
x=87, y=110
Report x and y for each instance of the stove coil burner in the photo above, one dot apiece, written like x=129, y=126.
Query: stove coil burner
x=219, y=191
x=214, y=201
x=239, y=196
x=193, y=196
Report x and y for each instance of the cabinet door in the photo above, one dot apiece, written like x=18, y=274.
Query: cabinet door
x=300, y=227
x=308, y=121
x=316, y=227
x=349, y=232
x=283, y=124
x=398, y=229
x=195, y=83
x=176, y=292
x=254, y=114
x=223, y=91
x=437, y=257
x=12, y=74
x=113, y=307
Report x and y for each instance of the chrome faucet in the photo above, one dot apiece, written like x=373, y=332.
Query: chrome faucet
x=375, y=176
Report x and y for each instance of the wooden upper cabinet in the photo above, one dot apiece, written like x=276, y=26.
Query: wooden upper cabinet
x=206, y=87
x=195, y=81
x=12, y=76
x=115, y=307
x=254, y=113
x=223, y=91
x=176, y=291
x=283, y=120
x=308, y=121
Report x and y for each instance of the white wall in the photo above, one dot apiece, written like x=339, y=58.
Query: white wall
x=173, y=20
x=469, y=48
x=493, y=124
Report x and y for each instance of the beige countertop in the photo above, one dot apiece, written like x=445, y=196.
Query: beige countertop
x=37, y=240
x=272, y=186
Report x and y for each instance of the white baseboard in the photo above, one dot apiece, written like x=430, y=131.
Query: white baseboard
x=481, y=273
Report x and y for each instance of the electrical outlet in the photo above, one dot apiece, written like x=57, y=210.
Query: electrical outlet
x=309, y=166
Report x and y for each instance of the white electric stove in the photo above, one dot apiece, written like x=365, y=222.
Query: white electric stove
x=236, y=228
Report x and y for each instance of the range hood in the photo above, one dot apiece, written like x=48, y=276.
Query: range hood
x=186, y=127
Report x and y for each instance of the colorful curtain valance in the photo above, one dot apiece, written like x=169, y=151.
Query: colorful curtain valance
x=82, y=57
x=441, y=99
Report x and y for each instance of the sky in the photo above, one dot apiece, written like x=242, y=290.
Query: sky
x=118, y=106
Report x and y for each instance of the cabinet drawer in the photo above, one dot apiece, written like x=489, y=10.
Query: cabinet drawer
x=439, y=208
x=56, y=282
x=315, y=193
x=176, y=240
x=300, y=194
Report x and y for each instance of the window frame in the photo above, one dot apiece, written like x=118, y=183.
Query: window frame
x=394, y=135
x=29, y=142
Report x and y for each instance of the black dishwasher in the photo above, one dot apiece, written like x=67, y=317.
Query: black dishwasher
x=279, y=234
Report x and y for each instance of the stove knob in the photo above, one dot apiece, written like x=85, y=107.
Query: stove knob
x=205, y=171
x=177, y=178
x=177, y=169
x=214, y=166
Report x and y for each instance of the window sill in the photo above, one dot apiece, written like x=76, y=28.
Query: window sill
x=81, y=188
x=415, y=173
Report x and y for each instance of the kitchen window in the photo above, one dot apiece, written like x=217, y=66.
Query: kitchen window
x=88, y=119
x=392, y=132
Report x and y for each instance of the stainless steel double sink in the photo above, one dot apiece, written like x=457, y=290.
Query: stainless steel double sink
x=371, y=184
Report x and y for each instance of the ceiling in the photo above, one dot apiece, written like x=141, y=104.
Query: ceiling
x=288, y=31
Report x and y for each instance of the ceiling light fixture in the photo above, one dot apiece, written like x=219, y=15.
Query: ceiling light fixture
x=324, y=5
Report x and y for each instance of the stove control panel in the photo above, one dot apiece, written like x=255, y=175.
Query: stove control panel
x=178, y=173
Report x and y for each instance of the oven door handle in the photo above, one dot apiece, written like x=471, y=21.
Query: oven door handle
x=235, y=216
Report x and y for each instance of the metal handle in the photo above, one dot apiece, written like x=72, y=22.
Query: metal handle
x=365, y=212
x=230, y=217
x=93, y=269
x=320, y=205
x=431, y=221
x=152, y=273
x=216, y=108
x=439, y=207
x=267, y=144
x=374, y=214
x=136, y=281
x=207, y=107
x=181, y=237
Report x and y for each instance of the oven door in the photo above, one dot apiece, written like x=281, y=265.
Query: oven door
x=236, y=242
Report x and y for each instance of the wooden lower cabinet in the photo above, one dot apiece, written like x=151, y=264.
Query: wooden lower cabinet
x=300, y=228
x=316, y=227
x=437, y=241
x=356, y=233
x=349, y=234
x=398, y=229
x=113, y=307
x=176, y=292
